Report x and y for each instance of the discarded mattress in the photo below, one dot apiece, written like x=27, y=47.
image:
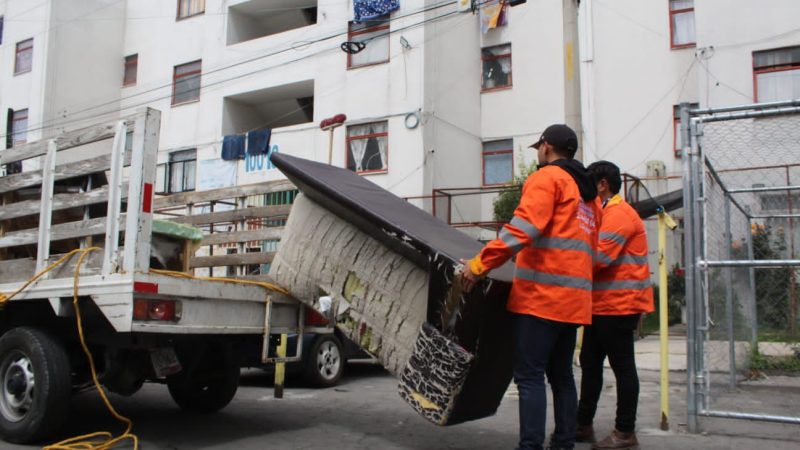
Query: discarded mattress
x=388, y=267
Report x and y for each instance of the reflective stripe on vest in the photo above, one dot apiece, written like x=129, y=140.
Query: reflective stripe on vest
x=622, y=259
x=619, y=239
x=555, y=280
x=622, y=284
x=564, y=244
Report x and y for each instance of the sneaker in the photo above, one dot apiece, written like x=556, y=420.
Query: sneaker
x=618, y=440
x=585, y=433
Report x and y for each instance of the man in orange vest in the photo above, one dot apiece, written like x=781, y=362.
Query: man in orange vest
x=554, y=235
x=622, y=291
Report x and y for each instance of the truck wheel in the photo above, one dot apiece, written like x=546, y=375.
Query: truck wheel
x=208, y=386
x=325, y=361
x=36, y=385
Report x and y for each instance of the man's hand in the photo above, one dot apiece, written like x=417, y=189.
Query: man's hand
x=468, y=279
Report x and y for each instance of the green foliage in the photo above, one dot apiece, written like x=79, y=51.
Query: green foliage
x=506, y=202
x=775, y=364
x=773, y=285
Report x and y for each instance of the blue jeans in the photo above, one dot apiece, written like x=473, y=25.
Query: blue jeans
x=544, y=347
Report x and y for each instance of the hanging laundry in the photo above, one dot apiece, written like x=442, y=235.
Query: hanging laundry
x=464, y=6
x=372, y=9
x=258, y=141
x=233, y=147
x=493, y=14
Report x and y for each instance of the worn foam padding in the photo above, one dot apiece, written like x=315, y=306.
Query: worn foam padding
x=389, y=267
x=177, y=230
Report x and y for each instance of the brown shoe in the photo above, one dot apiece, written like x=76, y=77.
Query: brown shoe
x=585, y=433
x=618, y=440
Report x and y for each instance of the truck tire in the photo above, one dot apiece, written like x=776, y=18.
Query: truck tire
x=325, y=361
x=206, y=385
x=36, y=385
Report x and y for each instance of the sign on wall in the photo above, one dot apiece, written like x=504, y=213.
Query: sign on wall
x=258, y=163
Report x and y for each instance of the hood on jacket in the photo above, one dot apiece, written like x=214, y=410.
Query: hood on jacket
x=582, y=177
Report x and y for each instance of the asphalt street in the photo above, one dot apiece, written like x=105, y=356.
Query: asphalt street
x=365, y=412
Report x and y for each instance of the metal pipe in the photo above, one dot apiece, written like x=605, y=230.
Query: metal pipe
x=776, y=216
x=765, y=189
x=729, y=297
x=748, y=416
x=760, y=263
x=764, y=105
x=689, y=264
x=752, y=279
x=750, y=114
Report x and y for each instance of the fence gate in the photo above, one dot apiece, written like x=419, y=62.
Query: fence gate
x=741, y=187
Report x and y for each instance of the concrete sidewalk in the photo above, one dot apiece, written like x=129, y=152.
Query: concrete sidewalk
x=777, y=395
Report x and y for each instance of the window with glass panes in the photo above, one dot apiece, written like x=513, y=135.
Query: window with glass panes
x=681, y=23
x=496, y=65
x=131, y=67
x=24, y=56
x=189, y=8
x=375, y=35
x=179, y=174
x=186, y=83
x=498, y=162
x=19, y=126
x=368, y=147
x=776, y=74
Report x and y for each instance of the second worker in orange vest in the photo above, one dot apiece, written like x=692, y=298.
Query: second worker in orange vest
x=622, y=291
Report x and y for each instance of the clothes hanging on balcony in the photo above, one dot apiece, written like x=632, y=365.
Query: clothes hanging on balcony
x=233, y=147
x=493, y=14
x=372, y=9
x=258, y=141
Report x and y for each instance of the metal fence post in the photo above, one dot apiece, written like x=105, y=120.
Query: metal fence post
x=752, y=279
x=729, y=296
x=690, y=267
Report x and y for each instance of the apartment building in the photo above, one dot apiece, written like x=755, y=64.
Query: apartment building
x=435, y=96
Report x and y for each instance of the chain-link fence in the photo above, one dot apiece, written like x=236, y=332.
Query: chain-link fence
x=742, y=219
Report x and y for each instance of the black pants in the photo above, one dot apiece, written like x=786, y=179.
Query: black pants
x=610, y=336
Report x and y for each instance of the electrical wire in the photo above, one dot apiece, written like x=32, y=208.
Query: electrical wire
x=56, y=123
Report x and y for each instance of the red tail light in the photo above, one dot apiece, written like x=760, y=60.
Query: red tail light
x=315, y=319
x=158, y=310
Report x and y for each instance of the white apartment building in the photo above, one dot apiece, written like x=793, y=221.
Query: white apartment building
x=432, y=102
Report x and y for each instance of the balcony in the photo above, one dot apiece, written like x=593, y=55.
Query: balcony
x=254, y=19
x=274, y=107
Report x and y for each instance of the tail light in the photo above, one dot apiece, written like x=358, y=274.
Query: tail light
x=156, y=310
x=315, y=319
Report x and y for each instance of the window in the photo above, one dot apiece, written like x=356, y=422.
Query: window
x=178, y=175
x=498, y=162
x=281, y=197
x=19, y=127
x=131, y=67
x=189, y=8
x=24, y=57
x=186, y=83
x=681, y=23
x=496, y=67
x=368, y=147
x=677, y=139
x=776, y=74
x=375, y=35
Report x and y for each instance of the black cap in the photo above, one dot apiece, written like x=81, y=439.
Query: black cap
x=559, y=136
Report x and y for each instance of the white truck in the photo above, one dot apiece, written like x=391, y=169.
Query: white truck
x=141, y=325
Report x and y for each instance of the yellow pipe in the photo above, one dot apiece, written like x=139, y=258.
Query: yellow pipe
x=664, y=221
x=280, y=367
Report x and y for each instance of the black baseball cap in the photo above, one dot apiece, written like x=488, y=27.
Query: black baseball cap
x=560, y=136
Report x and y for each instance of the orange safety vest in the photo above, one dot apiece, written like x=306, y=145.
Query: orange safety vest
x=554, y=235
x=622, y=276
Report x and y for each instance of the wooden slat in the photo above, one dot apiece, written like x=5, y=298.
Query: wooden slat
x=232, y=260
x=237, y=214
x=243, y=236
x=62, y=172
x=14, y=270
x=67, y=140
x=60, y=202
x=194, y=198
x=70, y=230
